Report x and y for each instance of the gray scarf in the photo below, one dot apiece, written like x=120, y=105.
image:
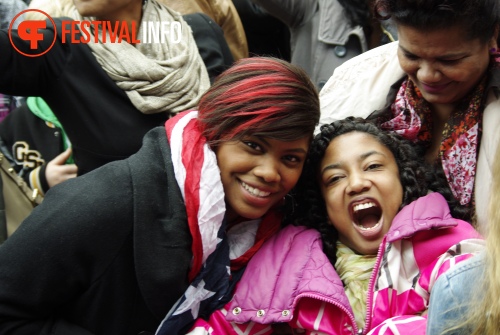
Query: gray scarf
x=157, y=77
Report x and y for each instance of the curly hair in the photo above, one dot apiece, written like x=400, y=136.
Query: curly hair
x=417, y=177
x=479, y=18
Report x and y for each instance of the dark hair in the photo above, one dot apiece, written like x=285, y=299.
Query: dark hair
x=416, y=177
x=358, y=12
x=259, y=96
x=479, y=18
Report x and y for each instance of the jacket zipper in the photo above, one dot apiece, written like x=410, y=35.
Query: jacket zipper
x=371, y=284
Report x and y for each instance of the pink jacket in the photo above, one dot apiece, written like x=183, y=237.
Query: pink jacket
x=290, y=280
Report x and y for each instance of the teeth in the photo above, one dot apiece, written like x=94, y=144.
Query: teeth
x=371, y=228
x=363, y=206
x=255, y=191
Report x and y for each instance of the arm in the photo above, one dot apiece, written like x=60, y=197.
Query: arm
x=59, y=252
x=30, y=76
x=291, y=12
x=452, y=293
x=463, y=244
x=227, y=17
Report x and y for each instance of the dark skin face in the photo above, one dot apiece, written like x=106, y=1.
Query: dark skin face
x=258, y=172
x=445, y=65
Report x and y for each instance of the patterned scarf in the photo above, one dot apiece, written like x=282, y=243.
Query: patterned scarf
x=212, y=274
x=355, y=271
x=412, y=118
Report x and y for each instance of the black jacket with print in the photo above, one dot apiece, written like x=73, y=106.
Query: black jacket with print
x=29, y=143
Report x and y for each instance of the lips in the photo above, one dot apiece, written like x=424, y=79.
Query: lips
x=434, y=88
x=255, y=191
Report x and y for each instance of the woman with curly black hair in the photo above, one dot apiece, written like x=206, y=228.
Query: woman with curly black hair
x=417, y=176
x=383, y=240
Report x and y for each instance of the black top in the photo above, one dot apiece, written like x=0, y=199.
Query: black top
x=106, y=253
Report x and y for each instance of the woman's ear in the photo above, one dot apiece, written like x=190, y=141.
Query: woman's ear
x=494, y=41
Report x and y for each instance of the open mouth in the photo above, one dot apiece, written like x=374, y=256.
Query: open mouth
x=366, y=216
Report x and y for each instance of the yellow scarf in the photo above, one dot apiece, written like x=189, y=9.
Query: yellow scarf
x=355, y=271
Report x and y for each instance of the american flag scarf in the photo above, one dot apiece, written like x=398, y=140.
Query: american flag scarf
x=198, y=177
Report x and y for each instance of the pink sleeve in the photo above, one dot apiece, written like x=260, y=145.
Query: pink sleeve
x=405, y=324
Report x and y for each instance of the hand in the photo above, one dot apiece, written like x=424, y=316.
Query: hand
x=56, y=171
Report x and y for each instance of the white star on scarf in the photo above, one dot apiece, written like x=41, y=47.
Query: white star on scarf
x=194, y=296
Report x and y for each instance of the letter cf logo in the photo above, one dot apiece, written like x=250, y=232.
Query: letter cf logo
x=30, y=31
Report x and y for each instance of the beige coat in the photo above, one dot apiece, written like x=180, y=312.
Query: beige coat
x=361, y=85
x=224, y=14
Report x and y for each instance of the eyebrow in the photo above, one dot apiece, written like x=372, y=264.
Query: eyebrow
x=361, y=158
x=452, y=55
x=296, y=150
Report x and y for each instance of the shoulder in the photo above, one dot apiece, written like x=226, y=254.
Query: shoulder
x=297, y=238
x=452, y=293
x=425, y=213
x=289, y=265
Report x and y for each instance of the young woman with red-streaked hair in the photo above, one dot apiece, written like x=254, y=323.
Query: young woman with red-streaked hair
x=147, y=244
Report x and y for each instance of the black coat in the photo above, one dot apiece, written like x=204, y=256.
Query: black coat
x=105, y=253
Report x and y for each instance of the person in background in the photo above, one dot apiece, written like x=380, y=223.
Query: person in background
x=224, y=14
x=107, y=95
x=211, y=42
x=438, y=86
x=380, y=241
x=466, y=298
x=266, y=35
x=325, y=34
x=145, y=243
x=37, y=146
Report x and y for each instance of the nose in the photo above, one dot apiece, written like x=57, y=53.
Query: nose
x=268, y=170
x=429, y=73
x=357, y=184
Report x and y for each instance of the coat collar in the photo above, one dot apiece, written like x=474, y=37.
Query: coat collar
x=425, y=213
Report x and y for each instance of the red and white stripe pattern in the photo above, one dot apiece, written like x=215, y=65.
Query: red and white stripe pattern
x=198, y=177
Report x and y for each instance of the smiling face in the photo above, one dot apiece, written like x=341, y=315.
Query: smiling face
x=257, y=173
x=360, y=183
x=444, y=64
